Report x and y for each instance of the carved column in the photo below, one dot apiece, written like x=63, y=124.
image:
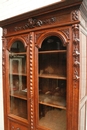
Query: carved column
x=4, y=42
x=76, y=54
x=32, y=78
x=76, y=77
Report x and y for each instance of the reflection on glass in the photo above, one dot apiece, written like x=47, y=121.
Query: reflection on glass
x=18, y=84
x=52, y=92
x=52, y=84
x=18, y=80
x=52, y=43
x=53, y=64
x=17, y=63
x=52, y=118
x=17, y=46
x=18, y=107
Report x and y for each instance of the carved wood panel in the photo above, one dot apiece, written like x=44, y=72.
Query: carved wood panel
x=16, y=126
x=76, y=76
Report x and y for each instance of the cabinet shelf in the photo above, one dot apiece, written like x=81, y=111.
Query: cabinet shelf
x=52, y=105
x=17, y=53
x=53, y=51
x=52, y=76
x=18, y=74
x=20, y=95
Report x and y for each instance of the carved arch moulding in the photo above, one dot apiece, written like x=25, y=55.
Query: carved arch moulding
x=24, y=39
x=62, y=34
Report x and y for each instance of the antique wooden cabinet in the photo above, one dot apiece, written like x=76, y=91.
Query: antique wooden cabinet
x=44, y=68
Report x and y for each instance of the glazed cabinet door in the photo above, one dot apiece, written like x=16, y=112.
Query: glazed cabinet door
x=18, y=92
x=51, y=112
x=18, y=80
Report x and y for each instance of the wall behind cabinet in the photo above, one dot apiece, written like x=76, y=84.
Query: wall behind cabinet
x=10, y=8
x=83, y=79
x=1, y=91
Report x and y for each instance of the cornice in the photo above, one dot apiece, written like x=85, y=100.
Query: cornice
x=54, y=7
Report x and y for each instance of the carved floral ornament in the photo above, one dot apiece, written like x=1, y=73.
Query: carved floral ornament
x=76, y=54
x=32, y=23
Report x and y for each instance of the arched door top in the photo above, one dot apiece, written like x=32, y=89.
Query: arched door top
x=58, y=34
x=16, y=39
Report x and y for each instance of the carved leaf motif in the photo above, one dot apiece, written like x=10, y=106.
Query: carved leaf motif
x=76, y=54
x=76, y=34
x=37, y=36
x=66, y=32
x=26, y=38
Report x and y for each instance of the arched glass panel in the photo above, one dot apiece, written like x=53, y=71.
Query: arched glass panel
x=52, y=43
x=52, y=84
x=18, y=80
x=17, y=46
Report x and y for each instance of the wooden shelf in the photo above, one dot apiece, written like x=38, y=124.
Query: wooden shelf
x=20, y=95
x=53, y=51
x=52, y=105
x=17, y=53
x=18, y=74
x=52, y=76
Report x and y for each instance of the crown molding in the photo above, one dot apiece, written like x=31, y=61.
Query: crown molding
x=47, y=9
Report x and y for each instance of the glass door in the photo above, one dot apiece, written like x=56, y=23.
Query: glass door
x=18, y=80
x=52, y=84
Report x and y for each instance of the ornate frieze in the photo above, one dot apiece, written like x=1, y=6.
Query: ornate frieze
x=32, y=23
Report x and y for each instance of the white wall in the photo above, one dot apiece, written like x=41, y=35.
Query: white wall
x=10, y=8
x=1, y=91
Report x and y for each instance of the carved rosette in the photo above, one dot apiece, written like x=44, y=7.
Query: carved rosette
x=75, y=15
x=76, y=54
x=31, y=81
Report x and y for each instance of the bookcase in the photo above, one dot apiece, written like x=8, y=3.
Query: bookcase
x=44, y=68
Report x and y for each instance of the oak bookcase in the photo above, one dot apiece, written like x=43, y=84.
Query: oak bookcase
x=44, y=68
